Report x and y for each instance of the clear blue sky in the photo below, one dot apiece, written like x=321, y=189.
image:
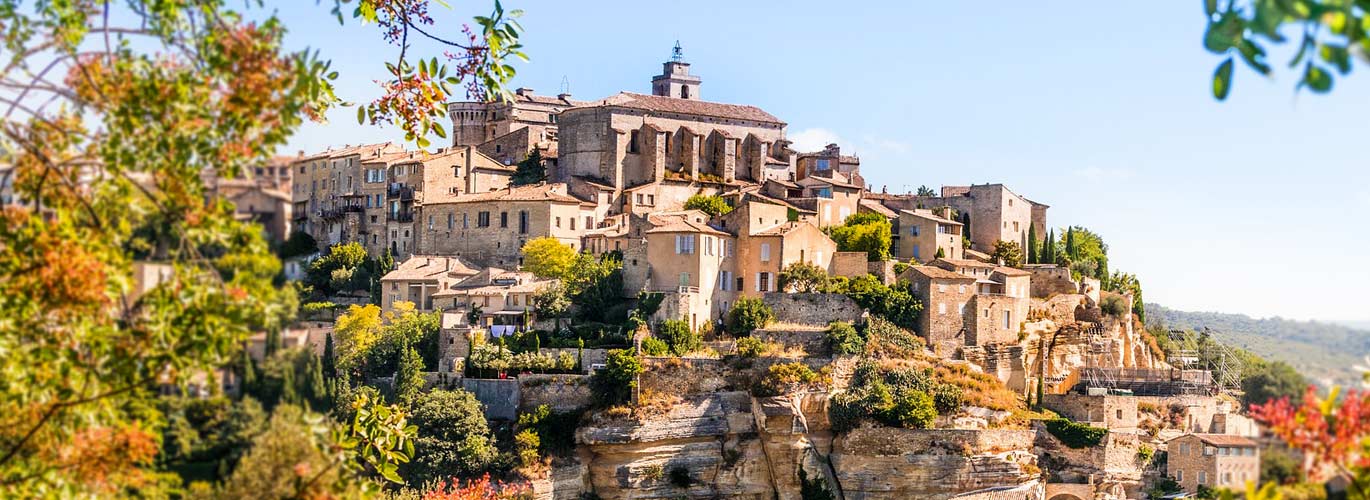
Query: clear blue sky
x=1101, y=110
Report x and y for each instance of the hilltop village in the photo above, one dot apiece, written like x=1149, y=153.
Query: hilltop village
x=667, y=300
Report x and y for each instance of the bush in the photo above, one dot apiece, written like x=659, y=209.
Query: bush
x=566, y=362
x=653, y=346
x=1075, y=434
x=783, y=378
x=843, y=339
x=527, y=444
x=803, y=277
x=677, y=334
x=615, y=383
x=712, y=205
x=749, y=314
x=912, y=410
x=452, y=438
x=750, y=347
x=1113, y=305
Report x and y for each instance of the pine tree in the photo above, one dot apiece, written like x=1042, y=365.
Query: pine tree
x=941, y=254
x=289, y=393
x=530, y=171
x=273, y=343
x=330, y=368
x=1032, y=244
x=409, y=376
x=1071, y=251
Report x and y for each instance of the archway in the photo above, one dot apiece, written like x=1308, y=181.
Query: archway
x=1065, y=496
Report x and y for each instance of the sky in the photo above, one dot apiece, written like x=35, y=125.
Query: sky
x=1101, y=109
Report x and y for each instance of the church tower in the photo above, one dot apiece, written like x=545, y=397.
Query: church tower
x=675, y=79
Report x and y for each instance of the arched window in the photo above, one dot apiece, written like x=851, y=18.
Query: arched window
x=684, y=91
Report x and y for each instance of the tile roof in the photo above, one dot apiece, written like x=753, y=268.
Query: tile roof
x=429, y=267
x=935, y=272
x=932, y=216
x=1009, y=271
x=782, y=229
x=965, y=263
x=686, y=106
x=876, y=207
x=685, y=225
x=1223, y=440
x=532, y=192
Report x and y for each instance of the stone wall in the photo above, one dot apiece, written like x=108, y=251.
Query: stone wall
x=1004, y=361
x=813, y=340
x=985, y=320
x=849, y=264
x=883, y=271
x=1048, y=280
x=561, y=393
x=499, y=396
x=880, y=463
x=591, y=356
x=1109, y=412
x=813, y=308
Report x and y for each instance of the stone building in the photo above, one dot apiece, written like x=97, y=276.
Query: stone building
x=489, y=229
x=921, y=235
x=833, y=198
x=827, y=162
x=257, y=202
x=694, y=264
x=1113, y=412
x=327, y=192
x=501, y=299
x=418, y=278
x=508, y=131
x=990, y=212
x=1213, y=460
x=944, y=295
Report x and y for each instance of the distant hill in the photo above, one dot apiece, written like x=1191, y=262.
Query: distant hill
x=1325, y=352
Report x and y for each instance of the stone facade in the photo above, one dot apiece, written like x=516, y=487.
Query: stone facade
x=813, y=309
x=849, y=264
x=419, y=278
x=1213, y=460
x=489, y=229
x=920, y=235
x=1107, y=411
x=944, y=295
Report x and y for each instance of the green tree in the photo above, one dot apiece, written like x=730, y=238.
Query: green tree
x=329, y=363
x=941, y=254
x=1328, y=34
x=531, y=170
x=453, y=438
x=595, y=285
x=843, y=338
x=803, y=277
x=299, y=243
x=358, y=330
x=678, y=336
x=1071, y=251
x=1049, y=248
x=749, y=314
x=552, y=302
x=926, y=191
x=1032, y=257
x=548, y=257
x=1271, y=380
x=713, y=205
x=863, y=232
x=337, y=270
x=409, y=381
x=912, y=410
x=318, y=389
x=616, y=382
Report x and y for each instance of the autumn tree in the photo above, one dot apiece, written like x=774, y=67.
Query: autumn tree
x=548, y=257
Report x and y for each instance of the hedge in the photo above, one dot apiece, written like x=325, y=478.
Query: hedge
x=1075, y=434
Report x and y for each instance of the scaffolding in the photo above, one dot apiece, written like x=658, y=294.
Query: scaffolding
x=1099, y=355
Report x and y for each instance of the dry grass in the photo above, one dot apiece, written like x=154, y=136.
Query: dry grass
x=980, y=389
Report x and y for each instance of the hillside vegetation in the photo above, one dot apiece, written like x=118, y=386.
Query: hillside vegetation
x=1324, y=352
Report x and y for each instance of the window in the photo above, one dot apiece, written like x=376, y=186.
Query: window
x=589, y=222
x=449, y=221
x=763, y=282
x=822, y=165
x=465, y=221
x=765, y=252
x=573, y=223
x=917, y=254
x=941, y=288
x=1120, y=414
x=685, y=244
x=504, y=219
x=483, y=219
x=941, y=308
x=723, y=278
x=708, y=245
x=1203, y=477
x=633, y=138
x=960, y=288
x=1179, y=475
x=739, y=286
x=523, y=222
x=913, y=230
x=684, y=279
x=430, y=223
x=558, y=220
x=1008, y=320
x=961, y=308
x=844, y=212
x=823, y=192
x=456, y=171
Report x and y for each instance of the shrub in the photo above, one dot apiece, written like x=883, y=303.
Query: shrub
x=566, y=362
x=1113, y=305
x=947, y=398
x=653, y=346
x=1075, y=434
x=911, y=409
x=680, y=477
x=781, y=378
x=812, y=489
x=843, y=339
x=803, y=277
x=750, y=347
x=886, y=339
x=1145, y=454
x=749, y=314
x=712, y=205
x=615, y=383
x=677, y=334
x=527, y=444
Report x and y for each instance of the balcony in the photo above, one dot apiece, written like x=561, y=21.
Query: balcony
x=335, y=213
x=404, y=193
x=405, y=216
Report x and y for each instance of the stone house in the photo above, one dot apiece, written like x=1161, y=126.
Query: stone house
x=327, y=194
x=1113, y=412
x=1213, y=460
x=257, y=202
x=944, y=295
x=919, y=234
x=694, y=264
x=504, y=299
x=827, y=162
x=990, y=212
x=508, y=131
x=768, y=240
x=833, y=198
x=418, y=278
x=489, y=229
x=378, y=196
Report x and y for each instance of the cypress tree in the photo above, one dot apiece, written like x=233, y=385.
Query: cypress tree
x=273, y=343
x=941, y=254
x=249, y=385
x=318, y=391
x=289, y=393
x=1032, y=244
x=409, y=376
x=580, y=354
x=1071, y=251
x=537, y=343
x=330, y=368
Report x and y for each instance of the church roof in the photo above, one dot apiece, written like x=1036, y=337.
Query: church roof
x=687, y=106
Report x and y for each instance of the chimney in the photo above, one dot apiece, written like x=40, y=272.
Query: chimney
x=564, y=96
x=524, y=91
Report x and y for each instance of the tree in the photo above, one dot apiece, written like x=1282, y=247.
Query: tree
x=595, y=285
x=926, y=191
x=1008, y=253
x=338, y=270
x=299, y=243
x=552, y=302
x=1071, y=251
x=864, y=232
x=358, y=330
x=453, y=438
x=1329, y=432
x=330, y=368
x=531, y=170
x=1271, y=380
x=678, y=336
x=1032, y=256
x=318, y=389
x=548, y=257
x=409, y=376
x=803, y=277
x=941, y=254
x=1049, y=248
x=749, y=314
x=1330, y=32
x=843, y=338
x=616, y=383
x=713, y=205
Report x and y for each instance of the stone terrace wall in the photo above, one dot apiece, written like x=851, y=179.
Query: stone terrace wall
x=1048, y=281
x=813, y=308
x=813, y=341
x=849, y=264
x=880, y=463
x=499, y=396
x=561, y=393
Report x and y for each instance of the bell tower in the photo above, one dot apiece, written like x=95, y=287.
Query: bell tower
x=675, y=79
